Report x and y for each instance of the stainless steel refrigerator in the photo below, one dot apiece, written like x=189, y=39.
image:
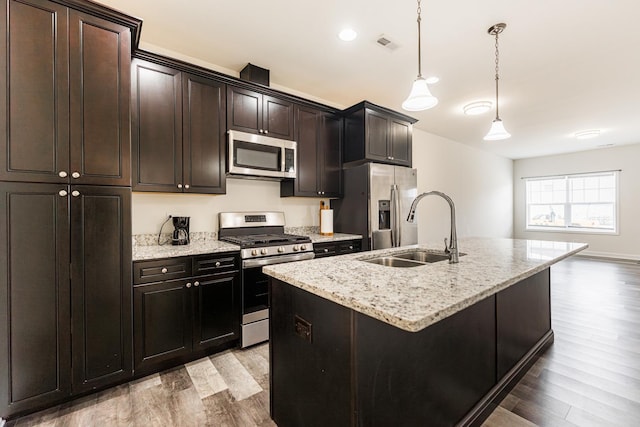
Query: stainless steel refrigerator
x=376, y=203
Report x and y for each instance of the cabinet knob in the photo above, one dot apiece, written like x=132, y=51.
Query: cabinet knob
x=261, y=131
x=164, y=270
x=186, y=186
x=179, y=185
x=75, y=193
x=350, y=248
x=75, y=175
x=326, y=250
x=319, y=193
x=266, y=131
x=196, y=284
x=62, y=193
x=188, y=285
x=217, y=263
x=62, y=174
x=323, y=193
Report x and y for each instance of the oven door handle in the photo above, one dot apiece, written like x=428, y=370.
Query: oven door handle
x=250, y=263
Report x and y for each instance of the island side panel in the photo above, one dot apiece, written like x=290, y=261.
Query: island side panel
x=429, y=378
x=310, y=376
x=523, y=318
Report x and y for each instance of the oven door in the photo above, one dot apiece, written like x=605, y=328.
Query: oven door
x=255, y=306
x=256, y=155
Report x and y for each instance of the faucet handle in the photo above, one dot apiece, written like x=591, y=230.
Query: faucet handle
x=446, y=246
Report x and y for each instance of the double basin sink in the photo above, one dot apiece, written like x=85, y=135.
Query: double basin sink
x=413, y=258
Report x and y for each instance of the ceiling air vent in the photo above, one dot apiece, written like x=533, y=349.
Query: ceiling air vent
x=386, y=43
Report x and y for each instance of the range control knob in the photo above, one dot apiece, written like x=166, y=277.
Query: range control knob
x=281, y=249
x=254, y=252
x=303, y=247
x=263, y=251
x=296, y=248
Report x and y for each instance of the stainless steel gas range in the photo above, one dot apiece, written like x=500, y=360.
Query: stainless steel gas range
x=262, y=241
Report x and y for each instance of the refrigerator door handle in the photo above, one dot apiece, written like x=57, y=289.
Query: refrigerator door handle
x=395, y=216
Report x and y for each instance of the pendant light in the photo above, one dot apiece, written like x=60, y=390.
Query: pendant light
x=420, y=98
x=497, y=130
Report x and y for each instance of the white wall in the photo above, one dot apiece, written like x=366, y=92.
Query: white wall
x=480, y=184
x=151, y=209
x=626, y=244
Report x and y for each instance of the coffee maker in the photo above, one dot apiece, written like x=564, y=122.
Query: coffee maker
x=181, y=230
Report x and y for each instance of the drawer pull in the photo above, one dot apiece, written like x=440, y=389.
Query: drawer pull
x=196, y=284
x=326, y=250
x=350, y=248
x=217, y=263
x=188, y=285
x=164, y=270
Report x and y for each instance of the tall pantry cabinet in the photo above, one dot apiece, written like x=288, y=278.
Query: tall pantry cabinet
x=65, y=200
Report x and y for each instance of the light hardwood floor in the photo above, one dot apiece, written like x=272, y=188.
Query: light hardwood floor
x=589, y=377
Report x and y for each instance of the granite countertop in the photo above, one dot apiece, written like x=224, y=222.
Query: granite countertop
x=206, y=244
x=416, y=297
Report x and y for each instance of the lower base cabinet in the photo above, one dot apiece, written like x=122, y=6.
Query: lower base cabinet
x=179, y=319
x=340, y=247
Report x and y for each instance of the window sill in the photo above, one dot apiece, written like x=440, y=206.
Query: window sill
x=573, y=231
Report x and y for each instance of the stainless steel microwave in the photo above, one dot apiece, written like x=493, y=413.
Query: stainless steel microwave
x=262, y=156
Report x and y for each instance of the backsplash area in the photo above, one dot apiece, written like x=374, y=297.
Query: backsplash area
x=150, y=210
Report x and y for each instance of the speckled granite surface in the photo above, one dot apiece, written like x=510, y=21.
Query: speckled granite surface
x=414, y=298
x=145, y=246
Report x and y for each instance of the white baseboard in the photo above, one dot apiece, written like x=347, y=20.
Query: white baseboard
x=610, y=255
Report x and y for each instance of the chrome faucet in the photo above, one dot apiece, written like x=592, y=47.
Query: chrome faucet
x=452, y=247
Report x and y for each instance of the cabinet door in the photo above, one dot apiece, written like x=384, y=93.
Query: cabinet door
x=244, y=110
x=400, y=142
x=306, y=182
x=330, y=173
x=156, y=128
x=277, y=117
x=100, y=285
x=217, y=311
x=35, y=346
x=100, y=73
x=34, y=91
x=204, y=143
x=162, y=325
x=377, y=131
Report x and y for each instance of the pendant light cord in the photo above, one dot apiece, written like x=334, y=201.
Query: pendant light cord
x=497, y=75
x=419, y=46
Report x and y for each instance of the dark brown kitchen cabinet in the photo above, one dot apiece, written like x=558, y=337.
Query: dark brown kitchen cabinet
x=254, y=112
x=64, y=280
x=341, y=247
x=374, y=133
x=319, y=139
x=65, y=90
x=194, y=313
x=178, y=125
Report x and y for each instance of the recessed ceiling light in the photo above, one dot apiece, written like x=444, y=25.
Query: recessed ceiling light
x=432, y=80
x=478, y=107
x=347, y=35
x=586, y=134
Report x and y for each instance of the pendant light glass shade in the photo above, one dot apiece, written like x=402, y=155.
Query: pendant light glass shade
x=420, y=98
x=497, y=131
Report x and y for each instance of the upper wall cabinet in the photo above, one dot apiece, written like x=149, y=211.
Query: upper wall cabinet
x=178, y=133
x=250, y=111
x=374, y=133
x=319, y=138
x=64, y=94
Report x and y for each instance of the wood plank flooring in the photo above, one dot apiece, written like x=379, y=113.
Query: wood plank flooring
x=589, y=377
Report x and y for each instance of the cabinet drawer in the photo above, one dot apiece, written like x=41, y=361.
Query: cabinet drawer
x=324, y=250
x=208, y=264
x=349, y=247
x=160, y=270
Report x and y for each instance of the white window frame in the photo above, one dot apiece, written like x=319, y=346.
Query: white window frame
x=568, y=203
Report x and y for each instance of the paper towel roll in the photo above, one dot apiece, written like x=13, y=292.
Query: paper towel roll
x=326, y=222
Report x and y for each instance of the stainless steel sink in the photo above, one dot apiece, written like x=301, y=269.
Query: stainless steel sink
x=393, y=262
x=423, y=256
x=413, y=258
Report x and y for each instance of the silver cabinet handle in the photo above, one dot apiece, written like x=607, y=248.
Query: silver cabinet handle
x=188, y=285
x=62, y=193
x=196, y=284
x=266, y=131
x=75, y=175
x=217, y=263
x=62, y=174
x=186, y=186
x=350, y=248
x=326, y=250
x=75, y=193
x=164, y=270
x=261, y=131
x=179, y=185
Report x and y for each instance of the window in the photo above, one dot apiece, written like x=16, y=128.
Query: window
x=583, y=203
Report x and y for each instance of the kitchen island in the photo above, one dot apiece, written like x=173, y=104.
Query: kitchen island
x=355, y=343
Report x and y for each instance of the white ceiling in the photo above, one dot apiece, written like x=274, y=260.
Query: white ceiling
x=565, y=65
